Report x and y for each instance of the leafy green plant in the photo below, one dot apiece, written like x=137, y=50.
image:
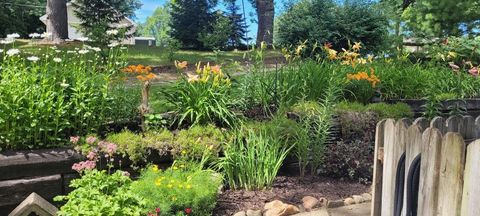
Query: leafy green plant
x=252, y=160
x=203, y=98
x=47, y=98
x=191, y=143
x=99, y=193
x=383, y=110
x=178, y=188
x=155, y=122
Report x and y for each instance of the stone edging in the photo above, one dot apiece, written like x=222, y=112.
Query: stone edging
x=355, y=199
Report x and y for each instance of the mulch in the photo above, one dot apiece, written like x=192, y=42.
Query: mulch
x=288, y=189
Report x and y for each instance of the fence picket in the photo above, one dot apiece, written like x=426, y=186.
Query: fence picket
x=439, y=123
x=413, y=147
x=469, y=128
x=452, y=164
x=378, y=169
x=471, y=188
x=429, y=172
x=393, y=149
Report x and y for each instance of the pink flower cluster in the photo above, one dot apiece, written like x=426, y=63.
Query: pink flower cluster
x=91, y=140
x=74, y=139
x=84, y=165
x=109, y=148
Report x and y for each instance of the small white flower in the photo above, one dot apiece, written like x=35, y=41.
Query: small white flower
x=46, y=35
x=12, y=52
x=83, y=39
x=13, y=36
x=96, y=49
x=33, y=58
x=58, y=51
x=71, y=52
x=112, y=32
x=1, y=50
x=58, y=60
x=64, y=84
x=113, y=44
x=7, y=41
x=35, y=35
x=83, y=51
x=123, y=48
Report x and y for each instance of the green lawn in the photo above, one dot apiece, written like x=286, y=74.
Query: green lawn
x=155, y=56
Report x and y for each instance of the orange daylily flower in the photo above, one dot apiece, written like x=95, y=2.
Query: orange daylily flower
x=181, y=65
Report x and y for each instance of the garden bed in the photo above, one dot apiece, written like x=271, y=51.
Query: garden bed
x=289, y=189
x=471, y=105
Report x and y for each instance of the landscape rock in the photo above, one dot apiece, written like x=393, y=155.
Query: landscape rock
x=367, y=197
x=358, y=199
x=251, y=212
x=349, y=201
x=335, y=203
x=323, y=202
x=241, y=213
x=278, y=208
x=310, y=202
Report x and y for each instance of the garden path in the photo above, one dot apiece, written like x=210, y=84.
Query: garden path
x=362, y=209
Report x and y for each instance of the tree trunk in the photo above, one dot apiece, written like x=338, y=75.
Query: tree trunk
x=266, y=15
x=57, y=21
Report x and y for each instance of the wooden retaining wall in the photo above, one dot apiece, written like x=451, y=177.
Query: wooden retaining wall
x=45, y=172
x=449, y=170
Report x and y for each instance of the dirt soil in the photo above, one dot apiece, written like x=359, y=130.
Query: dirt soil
x=287, y=189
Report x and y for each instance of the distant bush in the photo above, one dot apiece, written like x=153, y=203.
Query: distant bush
x=325, y=21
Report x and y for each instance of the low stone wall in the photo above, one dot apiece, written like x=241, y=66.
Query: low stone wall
x=45, y=172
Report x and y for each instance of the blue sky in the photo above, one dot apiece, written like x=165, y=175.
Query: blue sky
x=149, y=7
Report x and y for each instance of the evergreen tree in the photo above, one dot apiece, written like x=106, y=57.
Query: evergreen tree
x=190, y=19
x=239, y=27
x=99, y=17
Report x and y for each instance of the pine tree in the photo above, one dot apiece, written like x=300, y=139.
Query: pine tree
x=189, y=19
x=239, y=26
x=99, y=16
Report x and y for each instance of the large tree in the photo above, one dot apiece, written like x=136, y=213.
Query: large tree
x=21, y=16
x=157, y=25
x=265, y=15
x=100, y=17
x=239, y=30
x=190, y=19
x=57, y=21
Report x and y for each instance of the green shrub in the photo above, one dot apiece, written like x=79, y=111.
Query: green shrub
x=325, y=21
x=136, y=146
x=252, y=160
x=191, y=143
x=383, y=110
x=186, y=144
x=99, y=193
x=178, y=188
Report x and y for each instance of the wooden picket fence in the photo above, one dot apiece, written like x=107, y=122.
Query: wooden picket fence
x=449, y=182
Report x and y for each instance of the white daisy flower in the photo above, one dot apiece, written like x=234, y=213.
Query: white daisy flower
x=71, y=52
x=58, y=51
x=35, y=35
x=96, y=49
x=12, y=52
x=46, y=35
x=7, y=41
x=1, y=50
x=113, y=44
x=112, y=32
x=58, y=60
x=64, y=84
x=123, y=48
x=83, y=51
x=13, y=36
x=33, y=58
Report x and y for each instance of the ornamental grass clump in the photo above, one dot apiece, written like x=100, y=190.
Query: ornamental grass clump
x=252, y=160
x=47, y=97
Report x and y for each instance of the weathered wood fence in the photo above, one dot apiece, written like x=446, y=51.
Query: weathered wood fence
x=449, y=182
